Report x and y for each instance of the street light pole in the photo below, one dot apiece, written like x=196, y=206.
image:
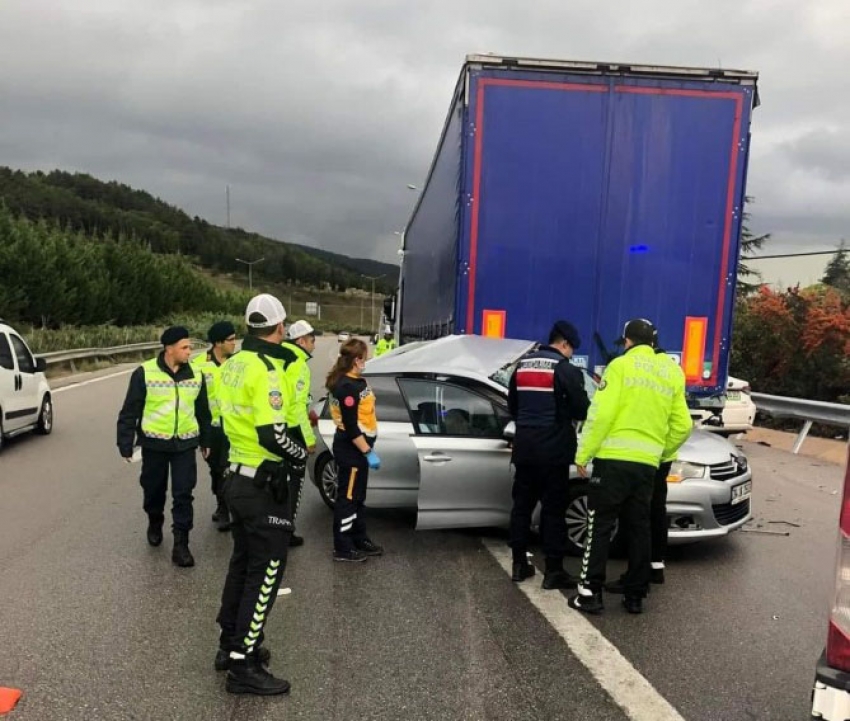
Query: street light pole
x=373, y=278
x=250, y=264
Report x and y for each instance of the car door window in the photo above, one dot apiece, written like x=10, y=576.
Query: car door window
x=6, y=354
x=443, y=409
x=26, y=364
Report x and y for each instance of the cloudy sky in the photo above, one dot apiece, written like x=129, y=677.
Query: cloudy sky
x=319, y=114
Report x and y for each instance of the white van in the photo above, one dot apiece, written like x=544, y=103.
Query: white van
x=25, y=400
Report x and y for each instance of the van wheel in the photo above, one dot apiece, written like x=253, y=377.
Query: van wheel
x=576, y=516
x=326, y=473
x=44, y=426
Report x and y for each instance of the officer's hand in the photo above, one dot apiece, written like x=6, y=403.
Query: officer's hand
x=373, y=460
x=582, y=471
x=205, y=452
x=311, y=449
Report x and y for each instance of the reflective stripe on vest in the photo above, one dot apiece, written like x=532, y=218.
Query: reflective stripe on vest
x=169, y=405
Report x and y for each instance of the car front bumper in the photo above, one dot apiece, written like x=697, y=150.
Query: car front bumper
x=701, y=509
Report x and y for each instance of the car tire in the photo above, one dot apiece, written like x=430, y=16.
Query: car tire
x=326, y=474
x=576, y=517
x=44, y=426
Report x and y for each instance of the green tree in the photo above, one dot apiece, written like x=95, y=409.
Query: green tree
x=749, y=279
x=837, y=273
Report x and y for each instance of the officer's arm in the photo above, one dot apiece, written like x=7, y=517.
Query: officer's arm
x=513, y=405
x=270, y=417
x=570, y=392
x=680, y=423
x=349, y=402
x=131, y=412
x=603, y=412
x=202, y=412
x=304, y=408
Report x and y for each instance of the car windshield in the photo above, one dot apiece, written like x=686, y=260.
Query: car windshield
x=503, y=378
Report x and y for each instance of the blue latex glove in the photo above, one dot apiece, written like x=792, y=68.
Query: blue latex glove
x=373, y=460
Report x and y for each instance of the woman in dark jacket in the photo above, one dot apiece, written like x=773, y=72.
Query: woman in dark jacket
x=352, y=406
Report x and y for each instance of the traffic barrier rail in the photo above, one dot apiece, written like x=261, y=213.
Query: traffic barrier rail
x=832, y=414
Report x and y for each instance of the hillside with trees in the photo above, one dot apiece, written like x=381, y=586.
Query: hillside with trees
x=79, y=203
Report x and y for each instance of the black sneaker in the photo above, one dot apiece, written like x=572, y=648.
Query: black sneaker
x=521, y=571
x=295, y=541
x=370, y=549
x=587, y=604
x=222, y=658
x=353, y=556
x=248, y=676
x=633, y=604
x=558, y=579
x=656, y=575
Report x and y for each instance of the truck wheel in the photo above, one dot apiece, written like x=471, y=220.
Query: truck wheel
x=576, y=517
x=44, y=426
x=327, y=474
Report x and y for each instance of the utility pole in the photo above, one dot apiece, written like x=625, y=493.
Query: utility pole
x=250, y=264
x=373, y=278
x=228, y=206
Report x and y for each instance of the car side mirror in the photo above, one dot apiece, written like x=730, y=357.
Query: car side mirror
x=41, y=365
x=509, y=431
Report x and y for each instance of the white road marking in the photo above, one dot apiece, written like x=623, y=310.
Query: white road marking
x=622, y=681
x=80, y=384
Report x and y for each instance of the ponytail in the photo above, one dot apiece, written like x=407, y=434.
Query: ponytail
x=349, y=352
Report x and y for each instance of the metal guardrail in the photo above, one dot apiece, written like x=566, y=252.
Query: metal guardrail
x=70, y=356
x=833, y=414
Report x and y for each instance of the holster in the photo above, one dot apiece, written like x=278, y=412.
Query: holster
x=276, y=477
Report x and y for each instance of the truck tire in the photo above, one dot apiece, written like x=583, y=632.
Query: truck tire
x=326, y=475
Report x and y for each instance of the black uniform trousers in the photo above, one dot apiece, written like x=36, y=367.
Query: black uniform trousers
x=261, y=531
x=296, y=477
x=217, y=459
x=619, y=490
x=658, y=513
x=352, y=478
x=546, y=484
x=154, y=482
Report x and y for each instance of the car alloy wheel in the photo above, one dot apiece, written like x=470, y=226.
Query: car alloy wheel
x=576, y=518
x=328, y=479
x=45, y=417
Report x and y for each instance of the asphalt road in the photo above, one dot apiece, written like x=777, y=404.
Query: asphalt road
x=94, y=624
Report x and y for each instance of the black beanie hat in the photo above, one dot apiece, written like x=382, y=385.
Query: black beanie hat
x=220, y=331
x=173, y=335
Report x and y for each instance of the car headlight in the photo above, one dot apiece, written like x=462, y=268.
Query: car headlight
x=682, y=471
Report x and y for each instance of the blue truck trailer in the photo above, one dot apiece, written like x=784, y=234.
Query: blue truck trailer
x=588, y=191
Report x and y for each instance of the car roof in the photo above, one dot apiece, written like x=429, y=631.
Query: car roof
x=473, y=356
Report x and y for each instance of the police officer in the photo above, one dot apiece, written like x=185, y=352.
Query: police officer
x=658, y=506
x=638, y=417
x=386, y=344
x=222, y=337
x=166, y=411
x=352, y=405
x=253, y=410
x=546, y=397
x=301, y=342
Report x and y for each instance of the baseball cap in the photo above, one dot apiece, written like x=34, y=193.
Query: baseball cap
x=264, y=310
x=639, y=331
x=567, y=331
x=299, y=329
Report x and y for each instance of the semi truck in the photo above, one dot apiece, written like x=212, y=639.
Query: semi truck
x=595, y=192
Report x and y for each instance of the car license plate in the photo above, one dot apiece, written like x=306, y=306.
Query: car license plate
x=733, y=395
x=742, y=492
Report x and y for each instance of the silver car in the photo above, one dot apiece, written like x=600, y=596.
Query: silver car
x=444, y=442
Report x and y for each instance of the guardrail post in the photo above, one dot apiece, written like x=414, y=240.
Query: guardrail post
x=807, y=426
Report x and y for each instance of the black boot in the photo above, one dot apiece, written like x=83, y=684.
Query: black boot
x=587, y=603
x=223, y=522
x=154, y=530
x=656, y=575
x=522, y=570
x=369, y=548
x=556, y=576
x=181, y=556
x=247, y=675
x=633, y=604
